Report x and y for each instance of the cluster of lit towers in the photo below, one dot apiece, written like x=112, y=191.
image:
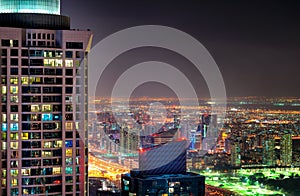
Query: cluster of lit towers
x=273, y=151
x=43, y=100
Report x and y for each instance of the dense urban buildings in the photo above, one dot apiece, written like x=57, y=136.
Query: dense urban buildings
x=256, y=151
x=43, y=100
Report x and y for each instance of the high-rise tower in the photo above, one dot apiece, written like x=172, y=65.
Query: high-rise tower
x=43, y=100
x=286, y=149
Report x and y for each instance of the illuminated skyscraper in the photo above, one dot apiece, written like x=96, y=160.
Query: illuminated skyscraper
x=269, y=157
x=235, y=156
x=286, y=149
x=44, y=100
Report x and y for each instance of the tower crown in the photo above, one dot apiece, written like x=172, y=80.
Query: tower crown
x=30, y=6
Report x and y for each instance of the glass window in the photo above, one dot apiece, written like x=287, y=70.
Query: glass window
x=69, y=143
x=69, y=54
x=13, y=80
x=24, y=80
x=4, y=126
x=35, y=108
x=69, y=170
x=25, y=172
x=58, y=53
x=68, y=99
x=49, y=62
x=25, y=136
x=14, y=126
x=58, y=144
x=47, y=108
x=69, y=125
x=69, y=152
x=48, y=144
x=69, y=63
x=47, y=117
x=14, y=89
x=14, y=117
x=56, y=170
x=58, y=62
x=69, y=161
x=14, y=99
x=14, y=182
x=3, y=182
x=14, y=145
x=4, y=118
x=4, y=145
x=4, y=90
x=14, y=136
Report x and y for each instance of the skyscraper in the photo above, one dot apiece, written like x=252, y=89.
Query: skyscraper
x=43, y=101
x=286, y=149
x=235, y=157
x=269, y=157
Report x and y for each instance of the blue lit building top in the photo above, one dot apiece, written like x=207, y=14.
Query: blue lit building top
x=30, y=6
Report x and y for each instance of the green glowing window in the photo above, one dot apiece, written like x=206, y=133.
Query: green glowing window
x=69, y=170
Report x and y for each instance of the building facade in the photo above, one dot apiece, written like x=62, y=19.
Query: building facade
x=286, y=147
x=43, y=101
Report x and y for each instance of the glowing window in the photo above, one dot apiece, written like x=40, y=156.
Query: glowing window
x=25, y=136
x=69, y=161
x=14, y=145
x=47, y=108
x=69, y=170
x=68, y=99
x=3, y=182
x=77, y=62
x=13, y=80
x=58, y=144
x=24, y=80
x=48, y=145
x=35, y=80
x=4, y=118
x=14, y=99
x=69, y=143
x=3, y=135
x=4, y=173
x=35, y=108
x=14, y=182
x=56, y=170
x=58, y=62
x=4, y=90
x=69, y=63
x=69, y=152
x=25, y=172
x=47, y=153
x=14, y=172
x=69, y=125
x=14, y=89
x=47, y=117
x=58, y=53
x=14, y=126
x=14, y=117
x=49, y=62
x=4, y=126
x=4, y=145
x=14, y=136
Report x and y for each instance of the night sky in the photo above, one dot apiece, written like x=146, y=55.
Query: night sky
x=256, y=45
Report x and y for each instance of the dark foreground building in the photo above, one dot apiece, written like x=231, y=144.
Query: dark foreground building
x=162, y=172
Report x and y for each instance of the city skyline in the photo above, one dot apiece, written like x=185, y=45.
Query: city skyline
x=255, y=44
